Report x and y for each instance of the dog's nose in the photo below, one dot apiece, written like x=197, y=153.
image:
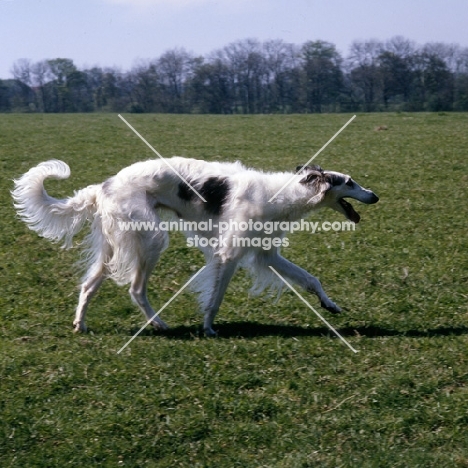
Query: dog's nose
x=374, y=199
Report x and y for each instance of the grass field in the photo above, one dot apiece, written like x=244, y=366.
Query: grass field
x=275, y=389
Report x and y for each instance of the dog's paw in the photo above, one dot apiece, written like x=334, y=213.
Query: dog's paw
x=331, y=307
x=210, y=333
x=79, y=327
x=159, y=325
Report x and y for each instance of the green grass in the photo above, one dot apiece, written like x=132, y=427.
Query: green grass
x=275, y=389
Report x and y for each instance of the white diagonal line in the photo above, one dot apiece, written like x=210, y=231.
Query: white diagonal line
x=316, y=313
x=157, y=154
x=312, y=158
x=161, y=309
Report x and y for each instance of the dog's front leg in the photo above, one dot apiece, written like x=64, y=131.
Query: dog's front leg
x=301, y=277
x=221, y=274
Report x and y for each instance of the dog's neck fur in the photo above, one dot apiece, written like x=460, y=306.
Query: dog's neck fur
x=291, y=203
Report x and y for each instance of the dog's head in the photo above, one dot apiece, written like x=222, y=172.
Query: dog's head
x=331, y=188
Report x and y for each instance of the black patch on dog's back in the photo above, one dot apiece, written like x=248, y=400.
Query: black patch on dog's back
x=215, y=191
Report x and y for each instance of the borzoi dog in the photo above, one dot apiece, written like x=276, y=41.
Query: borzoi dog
x=139, y=193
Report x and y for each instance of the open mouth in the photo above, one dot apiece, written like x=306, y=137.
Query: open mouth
x=350, y=212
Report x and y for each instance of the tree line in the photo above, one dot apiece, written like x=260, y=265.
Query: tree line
x=249, y=76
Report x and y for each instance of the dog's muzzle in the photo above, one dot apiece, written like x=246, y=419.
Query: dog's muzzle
x=350, y=212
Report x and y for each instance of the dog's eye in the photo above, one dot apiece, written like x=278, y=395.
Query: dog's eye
x=350, y=183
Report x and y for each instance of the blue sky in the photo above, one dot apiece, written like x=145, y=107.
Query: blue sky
x=119, y=32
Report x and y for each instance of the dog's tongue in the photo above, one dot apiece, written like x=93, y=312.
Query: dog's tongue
x=351, y=213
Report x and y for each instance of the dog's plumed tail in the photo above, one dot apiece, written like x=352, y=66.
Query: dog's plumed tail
x=57, y=220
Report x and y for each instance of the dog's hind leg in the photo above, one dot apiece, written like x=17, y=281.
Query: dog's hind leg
x=301, y=277
x=99, y=251
x=148, y=251
x=139, y=297
x=90, y=285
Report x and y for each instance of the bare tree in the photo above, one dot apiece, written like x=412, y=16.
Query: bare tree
x=39, y=72
x=434, y=84
x=448, y=53
x=22, y=71
x=282, y=61
x=248, y=67
x=146, y=86
x=212, y=89
x=365, y=75
x=175, y=68
x=401, y=47
x=323, y=75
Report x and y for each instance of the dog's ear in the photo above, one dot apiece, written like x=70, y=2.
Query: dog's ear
x=310, y=177
x=312, y=174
